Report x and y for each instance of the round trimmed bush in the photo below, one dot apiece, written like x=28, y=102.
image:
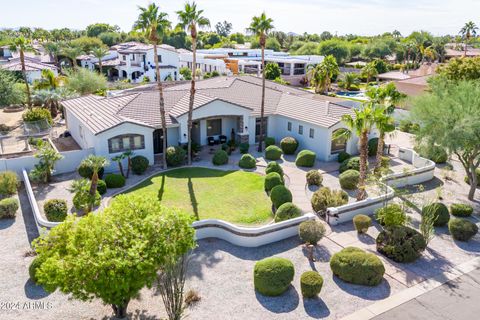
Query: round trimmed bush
x=273, y=166
x=8, y=183
x=280, y=195
x=324, y=198
x=101, y=187
x=114, y=180
x=400, y=243
x=272, y=276
x=85, y=171
x=311, y=283
x=272, y=180
x=477, y=172
x=139, y=164
x=440, y=213
x=349, y=179
x=462, y=229
x=289, y=145
x=273, y=153
x=287, y=211
x=55, y=210
x=314, y=178
x=461, y=210
x=356, y=266
x=8, y=208
x=311, y=231
x=269, y=141
x=306, y=158
x=220, y=158
x=32, y=269
x=372, y=146
x=37, y=114
x=247, y=161
x=244, y=147
x=342, y=156
x=350, y=164
x=175, y=155
x=362, y=223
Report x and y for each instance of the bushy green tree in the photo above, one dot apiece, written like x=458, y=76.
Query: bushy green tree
x=84, y=81
x=337, y=48
x=93, y=30
x=272, y=71
x=8, y=94
x=461, y=69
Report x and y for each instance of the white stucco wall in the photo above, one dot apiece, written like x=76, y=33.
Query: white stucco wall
x=80, y=133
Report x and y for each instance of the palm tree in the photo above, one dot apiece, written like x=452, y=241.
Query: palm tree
x=118, y=159
x=331, y=68
x=48, y=80
x=99, y=53
x=49, y=99
x=317, y=76
x=468, y=30
x=54, y=50
x=191, y=19
x=95, y=163
x=154, y=24
x=384, y=123
x=260, y=27
x=21, y=45
x=72, y=52
x=369, y=71
x=396, y=34
x=349, y=79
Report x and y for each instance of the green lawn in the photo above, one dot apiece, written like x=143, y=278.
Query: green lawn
x=233, y=196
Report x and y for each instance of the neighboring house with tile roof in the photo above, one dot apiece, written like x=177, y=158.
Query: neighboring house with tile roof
x=33, y=68
x=223, y=106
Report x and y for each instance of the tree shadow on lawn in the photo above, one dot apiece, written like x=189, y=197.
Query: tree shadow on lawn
x=33, y=291
x=316, y=308
x=287, y=302
x=379, y=292
x=193, y=199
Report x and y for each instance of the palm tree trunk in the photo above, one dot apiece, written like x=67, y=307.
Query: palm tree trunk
x=120, y=166
x=100, y=65
x=465, y=48
x=381, y=143
x=262, y=108
x=162, y=107
x=361, y=194
x=93, y=190
x=24, y=73
x=192, y=97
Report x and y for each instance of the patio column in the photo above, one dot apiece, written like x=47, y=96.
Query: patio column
x=245, y=128
x=292, y=68
x=183, y=128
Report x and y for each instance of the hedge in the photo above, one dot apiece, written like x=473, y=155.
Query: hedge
x=269, y=141
x=247, y=161
x=440, y=213
x=86, y=172
x=175, y=155
x=400, y=243
x=289, y=145
x=280, y=195
x=273, y=153
x=287, y=211
x=306, y=158
x=342, y=156
x=81, y=200
x=114, y=180
x=139, y=164
x=314, y=178
x=324, y=198
x=220, y=158
x=272, y=276
x=435, y=153
x=462, y=229
x=271, y=180
x=350, y=164
x=311, y=283
x=349, y=179
x=311, y=231
x=8, y=183
x=8, y=208
x=372, y=147
x=55, y=210
x=101, y=187
x=273, y=166
x=461, y=210
x=356, y=266
x=362, y=223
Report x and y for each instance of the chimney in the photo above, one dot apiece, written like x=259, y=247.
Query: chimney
x=327, y=107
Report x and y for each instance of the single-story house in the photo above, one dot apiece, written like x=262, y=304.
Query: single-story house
x=224, y=107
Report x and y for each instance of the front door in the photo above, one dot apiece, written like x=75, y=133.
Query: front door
x=158, y=141
x=196, y=132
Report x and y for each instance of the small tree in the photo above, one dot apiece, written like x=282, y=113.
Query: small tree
x=48, y=157
x=118, y=159
x=272, y=71
x=95, y=163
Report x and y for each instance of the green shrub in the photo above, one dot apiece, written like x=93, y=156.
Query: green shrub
x=400, y=243
x=8, y=183
x=269, y=141
x=247, y=161
x=362, y=223
x=462, y=229
x=461, y=210
x=273, y=153
x=139, y=164
x=440, y=213
x=349, y=179
x=391, y=215
x=289, y=145
x=244, y=147
x=101, y=187
x=324, y=198
x=114, y=180
x=311, y=283
x=280, y=195
x=225, y=147
x=435, y=153
x=306, y=158
x=477, y=172
x=372, y=147
x=272, y=180
x=311, y=231
x=408, y=126
x=55, y=210
x=81, y=200
x=273, y=166
x=342, y=156
x=287, y=211
x=385, y=162
x=220, y=158
x=8, y=208
x=37, y=114
x=86, y=172
x=175, y=155
x=272, y=276
x=356, y=266
x=314, y=178
x=32, y=269
x=350, y=164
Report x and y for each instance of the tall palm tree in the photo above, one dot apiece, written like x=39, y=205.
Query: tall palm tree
x=191, y=19
x=317, y=76
x=72, y=52
x=384, y=123
x=467, y=31
x=331, y=67
x=95, y=163
x=153, y=24
x=369, y=71
x=260, y=27
x=99, y=53
x=22, y=45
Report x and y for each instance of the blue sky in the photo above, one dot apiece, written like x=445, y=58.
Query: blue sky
x=343, y=16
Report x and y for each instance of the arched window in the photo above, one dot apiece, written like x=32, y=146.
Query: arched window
x=126, y=142
x=338, y=144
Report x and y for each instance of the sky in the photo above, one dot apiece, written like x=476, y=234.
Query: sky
x=364, y=17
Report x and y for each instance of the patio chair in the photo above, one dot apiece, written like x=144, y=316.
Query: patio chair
x=223, y=139
x=211, y=141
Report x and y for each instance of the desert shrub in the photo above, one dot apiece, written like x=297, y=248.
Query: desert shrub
x=349, y=179
x=311, y=231
x=37, y=114
x=372, y=146
x=114, y=180
x=462, y=229
x=8, y=183
x=280, y=195
x=385, y=162
x=400, y=243
x=139, y=164
x=244, y=147
x=342, y=156
x=408, y=126
x=461, y=210
x=391, y=215
x=314, y=178
x=311, y=283
x=273, y=153
x=273, y=166
x=101, y=187
x=247, y=161
x=86, y=172
x=440, y=213
x=85, y=81
x=356, y=266
x=324, y=198
x=272, y=180
x=287, y=211
x=225, y=147
x=32, y=269
x=289, y=145
x=55, y=210
x=350, y=164
x=435, y=153
x=477, y=172
x=272, y=276
x=82, y=199
x=175, y=155
x=269, y=141
x=362, y=223
x=220, y=157
x=8, y=208
x=306, y=158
